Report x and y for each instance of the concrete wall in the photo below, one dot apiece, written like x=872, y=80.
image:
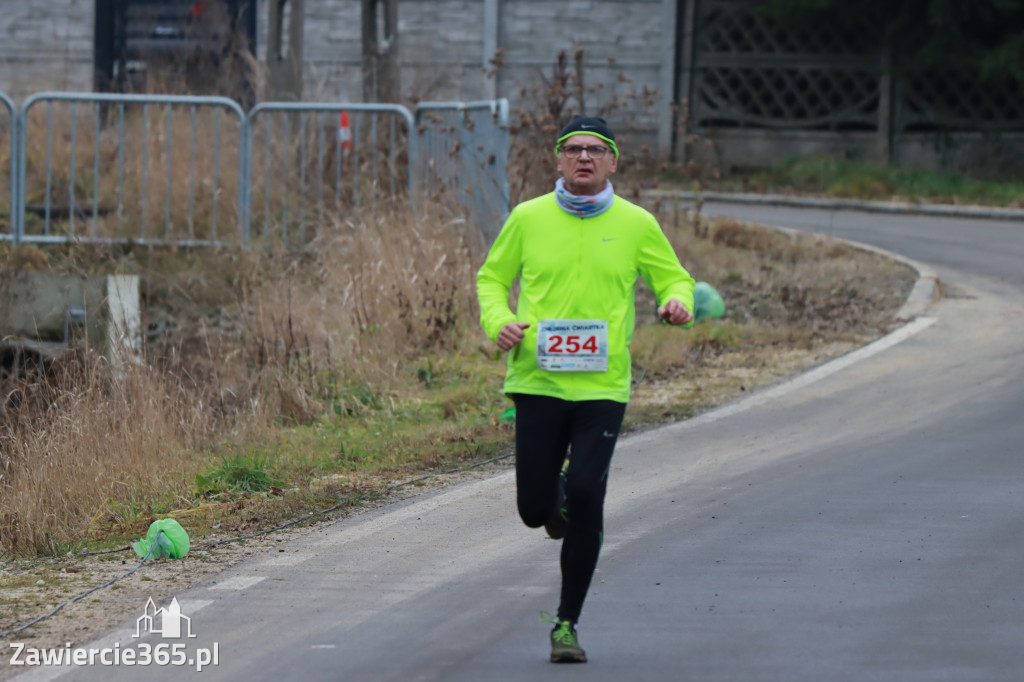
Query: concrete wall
x=628, y=46
x=445, y=47
x=45, y=45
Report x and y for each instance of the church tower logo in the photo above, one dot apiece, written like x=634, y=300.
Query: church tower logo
x=172, y=623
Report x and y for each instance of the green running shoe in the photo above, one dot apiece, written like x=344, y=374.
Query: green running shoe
x=556, y=524
x=565, y=644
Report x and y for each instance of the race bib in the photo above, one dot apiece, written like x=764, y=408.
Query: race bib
x=572, y=345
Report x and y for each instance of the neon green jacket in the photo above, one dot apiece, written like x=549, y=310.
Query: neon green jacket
x=576, y=268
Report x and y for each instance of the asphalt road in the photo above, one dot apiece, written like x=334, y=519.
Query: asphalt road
x=863, y=522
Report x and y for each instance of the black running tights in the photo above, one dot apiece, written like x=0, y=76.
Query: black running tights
x=546, y=430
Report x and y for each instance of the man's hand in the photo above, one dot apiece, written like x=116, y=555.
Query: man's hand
x=674, y=312
x=511, y=334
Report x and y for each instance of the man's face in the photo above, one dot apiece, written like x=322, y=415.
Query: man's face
x=584, y=175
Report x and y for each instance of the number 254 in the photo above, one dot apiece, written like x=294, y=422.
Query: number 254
x=571, y=344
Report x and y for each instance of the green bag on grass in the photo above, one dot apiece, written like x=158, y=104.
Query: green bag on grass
x=706, y=302
x=167, y=539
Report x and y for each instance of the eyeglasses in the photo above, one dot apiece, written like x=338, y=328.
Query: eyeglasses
x=574, y=151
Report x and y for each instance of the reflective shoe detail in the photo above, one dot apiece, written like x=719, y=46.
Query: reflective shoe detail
x=556, y=524
x=565, y=643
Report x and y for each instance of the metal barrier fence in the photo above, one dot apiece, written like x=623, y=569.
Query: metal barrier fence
x=8, y=140
x=463, y=150
x=140, y=168
x=312, y=162
x=185, y=170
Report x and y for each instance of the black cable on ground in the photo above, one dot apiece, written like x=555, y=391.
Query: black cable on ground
x=88, y=552
x=383, y=491
x=58, y=607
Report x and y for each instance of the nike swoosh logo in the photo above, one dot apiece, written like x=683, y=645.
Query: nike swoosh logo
x=607, y=240
x=586, y=127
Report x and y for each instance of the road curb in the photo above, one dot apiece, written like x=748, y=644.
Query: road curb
x=896, y=207
x=927, y=291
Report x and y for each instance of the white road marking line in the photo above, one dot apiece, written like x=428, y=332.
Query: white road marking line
x=238, y=582
x=190, y=606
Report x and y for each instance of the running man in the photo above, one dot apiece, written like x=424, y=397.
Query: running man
x=578, y=252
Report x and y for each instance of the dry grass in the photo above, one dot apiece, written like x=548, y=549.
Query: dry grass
x=5, y=169
x=781, y=290
x=81, y=447
x=241, y=344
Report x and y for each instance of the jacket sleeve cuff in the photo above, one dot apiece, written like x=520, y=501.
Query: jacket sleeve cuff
x=494, y=328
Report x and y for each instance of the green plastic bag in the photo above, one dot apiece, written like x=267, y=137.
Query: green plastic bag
x=167, y=539
x=706, y=302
